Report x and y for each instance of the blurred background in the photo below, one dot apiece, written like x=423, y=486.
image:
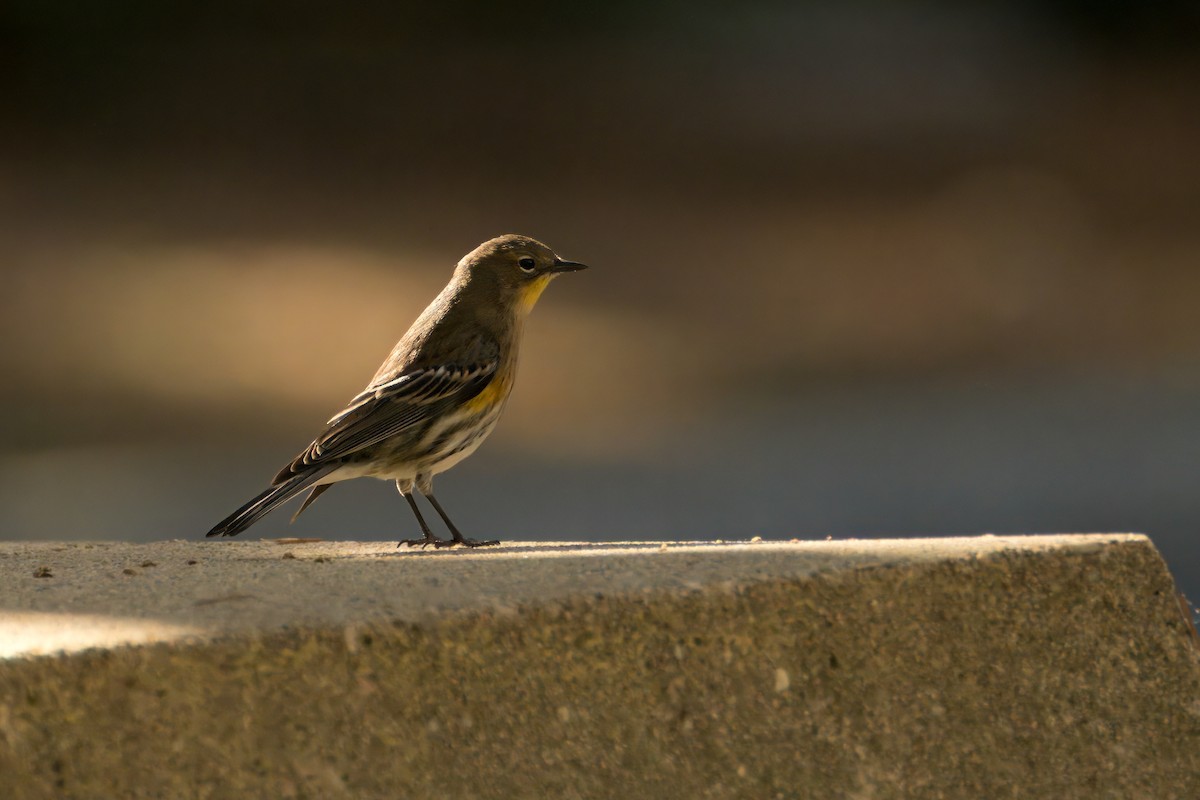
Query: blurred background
x=861, y=269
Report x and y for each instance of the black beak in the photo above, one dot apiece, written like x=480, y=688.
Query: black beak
x=566, y=266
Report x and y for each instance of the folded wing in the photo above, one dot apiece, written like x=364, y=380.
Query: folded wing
x=392, y=407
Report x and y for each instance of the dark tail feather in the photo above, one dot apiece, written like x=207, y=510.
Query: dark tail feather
x=313, y=495
x=266, y=502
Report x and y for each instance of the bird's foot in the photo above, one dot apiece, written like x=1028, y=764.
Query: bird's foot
x=465, y=542
x=428, y=540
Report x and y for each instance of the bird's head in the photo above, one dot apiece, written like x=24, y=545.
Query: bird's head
x=515, y=269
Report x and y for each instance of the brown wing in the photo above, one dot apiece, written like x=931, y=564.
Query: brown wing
x=388, y=409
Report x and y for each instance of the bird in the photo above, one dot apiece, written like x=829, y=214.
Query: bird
x=435, y=398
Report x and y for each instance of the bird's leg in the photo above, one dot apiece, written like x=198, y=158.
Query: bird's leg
x=458, y=537
x=429, y=539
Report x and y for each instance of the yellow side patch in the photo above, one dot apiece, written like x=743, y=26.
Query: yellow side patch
x=495, y=392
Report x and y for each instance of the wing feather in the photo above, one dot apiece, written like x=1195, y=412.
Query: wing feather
x=391, y=407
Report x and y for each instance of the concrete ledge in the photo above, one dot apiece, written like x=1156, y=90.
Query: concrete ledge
x=986, y=667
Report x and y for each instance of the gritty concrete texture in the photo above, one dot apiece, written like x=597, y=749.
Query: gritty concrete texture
x=991, y=667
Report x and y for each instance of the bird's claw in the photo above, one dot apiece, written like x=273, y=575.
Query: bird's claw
x=466, y=543
x=440, y=543
x=423, y=543
x=475, y=542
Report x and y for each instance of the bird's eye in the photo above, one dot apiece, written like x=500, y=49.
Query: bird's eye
x=527, y=264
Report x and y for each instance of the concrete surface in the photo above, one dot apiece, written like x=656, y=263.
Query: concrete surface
x=1056, y=667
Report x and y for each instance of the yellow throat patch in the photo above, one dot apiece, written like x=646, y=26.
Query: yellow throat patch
x=530, y=294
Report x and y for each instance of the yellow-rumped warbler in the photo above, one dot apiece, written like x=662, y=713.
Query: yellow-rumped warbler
x=436, y=397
